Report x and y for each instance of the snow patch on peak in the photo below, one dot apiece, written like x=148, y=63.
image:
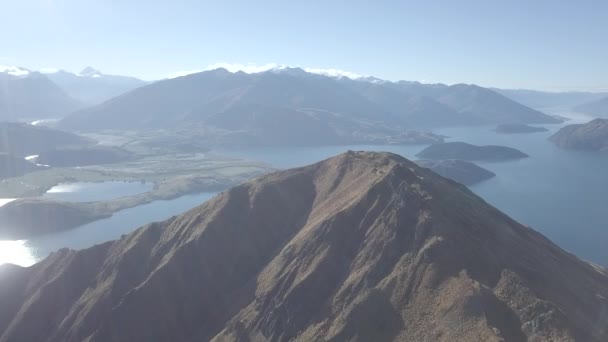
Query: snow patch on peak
x=274, y=67
x=335, y=73
x=90, y=72
x=233, y=68
x=14, y=71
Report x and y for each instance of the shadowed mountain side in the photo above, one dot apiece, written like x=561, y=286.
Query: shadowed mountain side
x=91, y=87
x=11, y=166
x=190, y=101
x=479, y=105
x=598, y=108
x=363, y=246
x=24, y=140
x=33, y=97
x=193, y=98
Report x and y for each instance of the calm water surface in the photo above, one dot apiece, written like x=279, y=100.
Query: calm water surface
x=562, y=194
x=26, y=252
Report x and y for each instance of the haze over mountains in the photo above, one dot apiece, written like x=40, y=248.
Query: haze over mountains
x=197, y=99
x=424, y=105
x=91, y=86
x=544, y=100
x=23, y=140
x=277, y=100
x=330, y=171
x=360, y=247
x=28, y=95
x=597, y=108
x=11, y=166
x=33, y=95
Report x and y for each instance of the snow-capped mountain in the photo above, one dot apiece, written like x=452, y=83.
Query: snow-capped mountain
x=14, y=71
x=90, y=86
x=236, y=99
x=90, y=72
x=279, y=68
x=29, y=95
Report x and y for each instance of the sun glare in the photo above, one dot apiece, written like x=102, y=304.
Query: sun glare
x=16, y=252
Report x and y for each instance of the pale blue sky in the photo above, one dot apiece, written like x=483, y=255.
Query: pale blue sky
x=540, y=44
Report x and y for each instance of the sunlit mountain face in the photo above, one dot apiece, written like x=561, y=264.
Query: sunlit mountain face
x=295, y=171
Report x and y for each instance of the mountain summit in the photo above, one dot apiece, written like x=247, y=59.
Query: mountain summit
x=28, y=96
x=360, y=247
x=91, y=86
x=90, y=72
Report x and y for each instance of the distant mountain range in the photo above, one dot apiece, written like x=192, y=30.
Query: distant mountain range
x=33, y=95
x=543, y=100
x=240, y=101
x=420, y=105
x=360, y=247
x=257, y=108
x=28, y=95
x=597, y=108
x=91, y=87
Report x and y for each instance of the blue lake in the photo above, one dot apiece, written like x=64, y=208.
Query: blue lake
x=26, y=252
x=557, y=192
x=562, y=194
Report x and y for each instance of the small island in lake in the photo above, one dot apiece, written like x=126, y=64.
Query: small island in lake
x=25, y=218
x=461, y=171
x=464, y=151
x=592, y=136
x=518, y=129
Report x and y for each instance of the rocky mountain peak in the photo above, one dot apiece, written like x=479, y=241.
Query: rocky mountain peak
x=363, y=246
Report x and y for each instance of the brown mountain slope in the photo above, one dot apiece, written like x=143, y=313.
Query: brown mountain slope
x=592, y=136
x=360, y=247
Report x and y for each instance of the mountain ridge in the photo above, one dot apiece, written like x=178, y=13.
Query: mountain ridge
x=190, y=99
x=361, y=246
x=32, y=96
x=92, y=87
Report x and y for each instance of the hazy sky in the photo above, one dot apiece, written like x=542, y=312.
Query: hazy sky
x=541, y=44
